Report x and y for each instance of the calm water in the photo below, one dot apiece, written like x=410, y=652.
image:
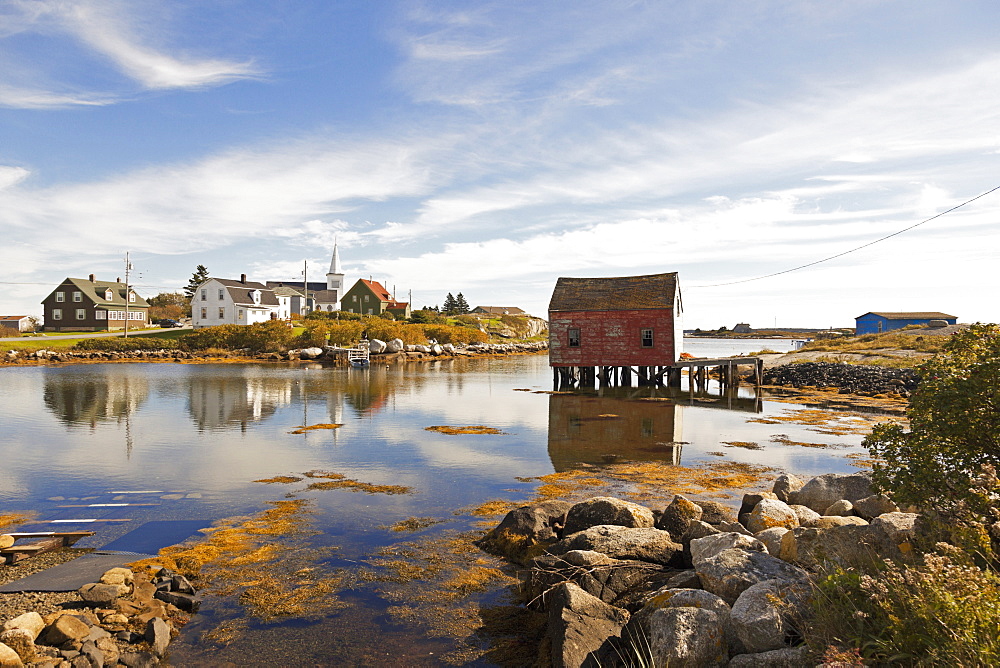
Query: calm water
x=190, y=439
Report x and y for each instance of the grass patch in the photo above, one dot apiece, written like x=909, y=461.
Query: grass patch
x=340, y=481
x=262, y=562
x=746, y=445
x=304, y=429
x=896, y=340
x=283, y=479
x=412, y=524
x=472, y=429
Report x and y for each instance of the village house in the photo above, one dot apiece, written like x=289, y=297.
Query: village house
x=630, y=321
x=223, y=301
x=89, y=305
x=371, y=298
x=876, y=322
x=498, y=310
x=18, y=323
x=315, y=295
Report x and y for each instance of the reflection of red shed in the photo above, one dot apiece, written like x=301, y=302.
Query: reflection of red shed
x=626, y=321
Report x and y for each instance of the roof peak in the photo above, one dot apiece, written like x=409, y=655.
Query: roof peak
x=335, y=261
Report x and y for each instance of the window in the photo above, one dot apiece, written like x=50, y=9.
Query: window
x=108, y=294
x=204, y=294
x=369, y=312
x=137, y=315
x=204, y=313
x=57, y=314
x=60, y=296
x=222, y=313
x=241, y=314
x=354, y=298
x=131, y=296
x=647, y=338
x=100, y=315
x=220, y=294
x=574, y=337
x=81, y=314
x=77, y=296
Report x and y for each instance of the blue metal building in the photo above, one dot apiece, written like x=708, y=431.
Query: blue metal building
x=875, y=322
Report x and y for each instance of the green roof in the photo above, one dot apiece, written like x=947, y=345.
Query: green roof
x=96, y=291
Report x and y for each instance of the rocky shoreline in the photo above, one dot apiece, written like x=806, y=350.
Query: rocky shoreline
x=693, y=584
x=862, y=379
x=328, y=353
x=123, y=619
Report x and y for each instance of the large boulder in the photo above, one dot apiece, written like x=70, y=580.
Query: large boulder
x=787, y=657
x=758, y=618
x=772, y=539
x=673, y=597
x=677, y=516
x=607, y=510
x=395, y=346
x=9, y=658
x=805, y=514
x=65, y=628
x=310, y=353
x=770, y=513
x=824, y=490
x=526, y=531
x=21, y=642
x=714, y=512
x=620, y=582
x=29, y=621
x=687, y=637
x=376, y=346
x=831, y=521
x=709, y=546
x=872, y=506
x=785, y=486
x=621, y=542
x=892, y=534
x=847, y=545
x=731, y=572
x=580, y=626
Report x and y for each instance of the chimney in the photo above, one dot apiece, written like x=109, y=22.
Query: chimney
x=118, y=280
x=92, y=280
x=243, y=278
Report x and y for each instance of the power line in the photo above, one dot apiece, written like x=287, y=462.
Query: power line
x=847, y=252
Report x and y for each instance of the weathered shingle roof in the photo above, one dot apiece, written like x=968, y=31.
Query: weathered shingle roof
x=911, y=315
x=614, y=294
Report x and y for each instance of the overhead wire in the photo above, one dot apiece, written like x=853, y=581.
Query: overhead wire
x=852, y=250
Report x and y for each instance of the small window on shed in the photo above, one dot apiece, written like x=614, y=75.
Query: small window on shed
x=574, y=337
x=647, y=338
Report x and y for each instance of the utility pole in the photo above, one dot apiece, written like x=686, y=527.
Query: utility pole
x=305, y=284
x=128, y=270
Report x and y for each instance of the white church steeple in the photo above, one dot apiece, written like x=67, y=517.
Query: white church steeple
x=335, y=277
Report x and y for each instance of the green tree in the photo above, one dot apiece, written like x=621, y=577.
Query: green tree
x=199, y=276
x=949, y=458
x=172, y=305
x=461, y=306
x=450, y=305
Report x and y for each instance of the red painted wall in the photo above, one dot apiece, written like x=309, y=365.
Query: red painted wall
x=612, y=338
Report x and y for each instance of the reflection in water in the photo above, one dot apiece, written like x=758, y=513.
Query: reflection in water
x=111, y=394
x=584, y=428
x=627, y=424
x=220, y=401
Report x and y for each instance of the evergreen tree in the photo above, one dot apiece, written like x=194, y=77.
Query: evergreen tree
x=450, y=305
x=461, y=306
x=199, y=276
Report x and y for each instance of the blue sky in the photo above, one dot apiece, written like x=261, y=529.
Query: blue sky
x=489, y=148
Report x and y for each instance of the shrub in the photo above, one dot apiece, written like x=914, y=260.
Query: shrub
x=942, y=611
x=949, y=458
x=131, y=344
x=453, y=334
x=270, y=336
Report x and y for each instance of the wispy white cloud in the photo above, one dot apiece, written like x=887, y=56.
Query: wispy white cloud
x=112, y=30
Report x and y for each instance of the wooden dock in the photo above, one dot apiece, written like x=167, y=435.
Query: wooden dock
x=698, y=372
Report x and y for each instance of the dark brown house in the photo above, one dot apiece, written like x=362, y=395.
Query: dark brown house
x=89, y=305
x=629, y=321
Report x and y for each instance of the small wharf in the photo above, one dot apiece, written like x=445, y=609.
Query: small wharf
x=29, y=544
x=358, y=356
x=698, y=372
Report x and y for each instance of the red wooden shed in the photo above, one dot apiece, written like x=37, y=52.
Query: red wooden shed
x=628, y=321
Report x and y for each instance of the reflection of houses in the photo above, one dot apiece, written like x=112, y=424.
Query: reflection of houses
x=601, y=430
x=875, y=322
x=111, y=395
x=89, y=305
x=217, y=401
